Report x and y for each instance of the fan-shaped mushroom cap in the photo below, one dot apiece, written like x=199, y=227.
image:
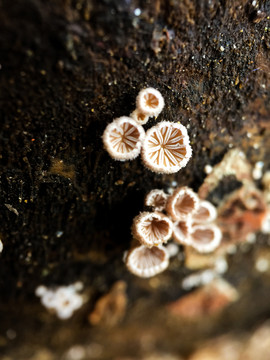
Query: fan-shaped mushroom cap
x=181, y=231
x=157, y=199
x=150, y=102
x=182, y=204
x=122, y=138
x=206, y=212
x=139, y=116
x=205, y=238
x=152, y=228
x=146, y=262
x=166, y=148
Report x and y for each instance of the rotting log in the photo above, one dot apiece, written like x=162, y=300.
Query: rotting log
x=67, y=68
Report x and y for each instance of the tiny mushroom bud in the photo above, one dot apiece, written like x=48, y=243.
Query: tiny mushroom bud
x=181, y=231
x=156, y=199
x=139, y=116
x=150, y=102
x=145, y=262
x=205, y=238
x=206, y=212
x=123, y=138
x=152, y=228
x=182, y=204
x=166, y=148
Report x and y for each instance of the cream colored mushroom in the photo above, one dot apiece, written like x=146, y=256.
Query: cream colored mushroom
x=205, y=238
x=156, y=199
x=181, y=231
x=152, y=228
x=166, y=148
x=140, y=117
x=150, y=102
x=182, y=203
x=146, y=262
x=205, y=213
x=123, y=138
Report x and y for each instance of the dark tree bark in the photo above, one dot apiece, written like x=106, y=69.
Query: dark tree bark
x=67, y=69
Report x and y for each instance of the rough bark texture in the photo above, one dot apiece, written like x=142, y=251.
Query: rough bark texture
x=68, y=67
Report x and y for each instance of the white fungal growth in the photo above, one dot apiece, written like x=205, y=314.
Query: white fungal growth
x=63, y=300
x=145, y=262
x=206, y=212
x=205, y=238
x=166, y=148
x=1, y=246
x=152, y=228
x=156, y=199
x=123, y=138
x=181, y=231
x=140, y=117
x=150, y=102
x=182, y=204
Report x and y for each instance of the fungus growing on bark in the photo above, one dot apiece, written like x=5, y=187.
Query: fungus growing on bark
x=181, y=231
x=166, y=148
x=63, y=300
x=205, y=237
x=122, y=138
x=139, y=116
x=146, y=262
x=152, y=228
x=156, y=199
x=150, y=102
x=182, y=204
x=206, y=212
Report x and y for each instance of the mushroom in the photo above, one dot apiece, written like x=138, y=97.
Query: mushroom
x=205, y=238
x=181, y=231
x=166, y=148
x=150, y=102
x=139, y=116
x=182, y=204
x=206, y=212
x=152, y=228
x=157, y=199
x=146, y=262
x=123, y=138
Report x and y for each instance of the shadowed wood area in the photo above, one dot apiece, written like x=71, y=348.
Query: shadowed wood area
x=67, y=69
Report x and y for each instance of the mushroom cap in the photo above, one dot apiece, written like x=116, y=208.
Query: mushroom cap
x=150, y=102
x=182, y=203
x=206, y=212
x=122, y=138
x=157, y=199
x=181, y=231
x=152, y=228
x=205, y=238
x=166, y=147
x=146, y=262
x=140, y=117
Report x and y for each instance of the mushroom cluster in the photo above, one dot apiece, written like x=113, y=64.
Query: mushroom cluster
x=63, y=300
x=165, y=147
x=183, y=217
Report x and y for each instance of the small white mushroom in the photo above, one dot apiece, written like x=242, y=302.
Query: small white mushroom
x=150, y=102
x=205, y=238
x=152, y=228
x=156, y=199
x=206, y=212
x=166, y=148
x=145, y=262
x=123, y=138
x=182, y=204
x=181, y=231
x=139, y=116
